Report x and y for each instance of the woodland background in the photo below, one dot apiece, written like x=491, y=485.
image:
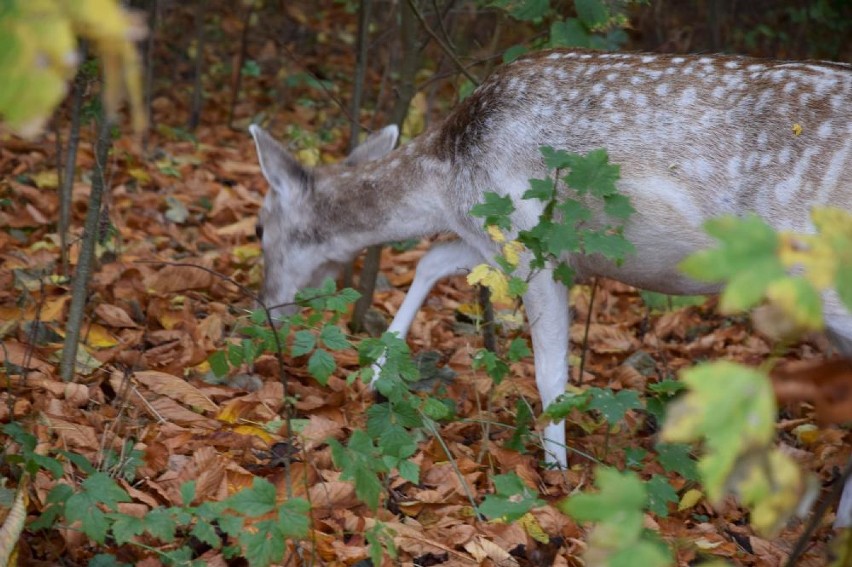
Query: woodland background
x=141, y=402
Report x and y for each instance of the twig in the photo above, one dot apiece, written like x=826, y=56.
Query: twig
x=586, y=330
x=818, y=515
x=443, y=45
x=430, y=425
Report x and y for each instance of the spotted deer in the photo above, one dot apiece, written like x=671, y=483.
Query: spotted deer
x=696, y=137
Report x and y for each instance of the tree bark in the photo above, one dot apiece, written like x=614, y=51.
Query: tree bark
x=83, y=272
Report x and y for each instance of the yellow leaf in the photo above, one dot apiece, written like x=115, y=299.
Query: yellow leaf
x=689, y=499
x=169, y=319
x=496, y=234
x=415, y=120
x=807, y=433
x=797, y=129
x=253, y=430
x=813, y=253
x=54, y=308
x=309, y=156
x=799, y=300
x=512, y=252
x=493, y=279
x=246, y=252
x=98, y=337
x=48, y=179
x=533, y=528
x=470, y=310
x=139, y=174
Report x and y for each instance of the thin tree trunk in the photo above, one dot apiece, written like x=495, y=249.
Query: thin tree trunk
x=197, y=99
x=67, y=187
x=405, y=92
x=149, y=69
x=83, y=272
x=238, y=80
x=358, y=92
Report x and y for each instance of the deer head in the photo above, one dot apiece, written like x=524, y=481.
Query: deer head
x=299, y=250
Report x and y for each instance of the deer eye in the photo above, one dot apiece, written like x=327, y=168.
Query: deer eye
x=258, y=231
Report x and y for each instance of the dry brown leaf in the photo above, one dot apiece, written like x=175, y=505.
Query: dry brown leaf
x=325, y=497
x=176, y=388
x=318, y=430
x=115, y=316
x=169, y=410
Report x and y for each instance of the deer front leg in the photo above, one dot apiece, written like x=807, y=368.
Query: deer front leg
x=546, y=302
x=442, y=260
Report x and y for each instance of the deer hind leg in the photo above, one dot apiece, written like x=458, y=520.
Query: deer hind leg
x=442, y=260
x=546, y=302
x=838, y=323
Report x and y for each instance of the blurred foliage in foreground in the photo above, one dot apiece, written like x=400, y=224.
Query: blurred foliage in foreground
x=39, y=55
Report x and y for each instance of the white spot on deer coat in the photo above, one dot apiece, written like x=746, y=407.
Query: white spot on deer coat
x=825, y=130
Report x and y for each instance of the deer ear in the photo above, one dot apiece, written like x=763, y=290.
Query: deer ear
x=377, y=145
x=285, y=175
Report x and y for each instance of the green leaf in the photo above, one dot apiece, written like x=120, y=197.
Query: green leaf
x=205, y=532
x=517, y=287
x=496, y=368
x=643, y=553
x=514, y=52
x=435, y=409
x=523, y=420
x=262, y=545
x=555, y=159
x=611, y=246
x=83, y=507
x=618, y=206
x=303, y=343
x=334, y=338
x=541, y=189
x=106, y=560
x=340, y=302
x=593, y=13
x=561, y=238
x=321, y=365
x=359, y=462
x=563, y=273
x=677, y=458
x=593, y=174
x=219, y=363
x=512, y=500
x=569, y=33
x=160, y=523
x=843, y=283
x=730, y=406
x=409, y=470
x=573, y=212
x=126, y=527
x=187, y=492
x=293, y=518
x=495, y=210
x=255, y=501
x=614, y=406
x=746, y=244
x=621, y=496
x=633, y=457
x=660, y=495
x=529, y=10
x=518, y=350
x=566, y=403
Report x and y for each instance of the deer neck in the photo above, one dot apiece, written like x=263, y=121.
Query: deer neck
x=398, y=197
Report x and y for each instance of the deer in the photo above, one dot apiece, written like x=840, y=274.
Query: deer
x=696, y=137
